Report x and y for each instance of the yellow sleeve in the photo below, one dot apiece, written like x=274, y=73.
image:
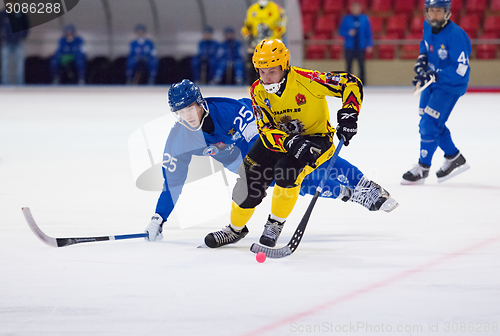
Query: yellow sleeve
x=335, y=84
x=271, y=135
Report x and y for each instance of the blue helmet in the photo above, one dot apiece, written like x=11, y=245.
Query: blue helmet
x=139, y=27
x=70, y=28
x=446, y=4
x=183, y=94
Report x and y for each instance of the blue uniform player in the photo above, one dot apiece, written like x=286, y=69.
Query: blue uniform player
x=444, y=57
x=69, y=57
x=142, y=59
x=225, y=129
x=230, y=62
x=204, y=63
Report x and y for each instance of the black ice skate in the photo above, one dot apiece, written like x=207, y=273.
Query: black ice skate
x=370, y=195
x=417, y=175
x=225, y=236
x=272, y=231
x=452, y=166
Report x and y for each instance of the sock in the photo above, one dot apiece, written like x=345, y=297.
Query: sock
x=276, y=218
x=284, y=200
x=240, y=216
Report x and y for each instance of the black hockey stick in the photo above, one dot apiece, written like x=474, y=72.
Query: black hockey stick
x=299, y=231
x=60, y=242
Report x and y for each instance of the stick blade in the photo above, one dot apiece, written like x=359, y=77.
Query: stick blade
x=36, y=230
x=270, y=252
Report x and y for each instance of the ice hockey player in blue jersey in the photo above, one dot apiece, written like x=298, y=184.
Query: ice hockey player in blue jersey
x=444, y=57
x=225, y=129
x=230, y=62
x=142, y=60
x=204, y=63
x=69, y=59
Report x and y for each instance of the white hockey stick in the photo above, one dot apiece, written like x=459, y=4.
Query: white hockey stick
x=60, y=242
x=419, y=89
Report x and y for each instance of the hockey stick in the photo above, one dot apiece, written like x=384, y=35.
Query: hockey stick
x=299, y=231
x=60, y=242
x=419, y=89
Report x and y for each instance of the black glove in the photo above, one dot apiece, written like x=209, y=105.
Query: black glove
x=348, y=124
x=424, y=77
x=302, y=149
x=422, y=64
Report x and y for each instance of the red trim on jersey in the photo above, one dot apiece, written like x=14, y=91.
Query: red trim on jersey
x=311, y=75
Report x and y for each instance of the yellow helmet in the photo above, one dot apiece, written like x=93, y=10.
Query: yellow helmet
x=271, y=53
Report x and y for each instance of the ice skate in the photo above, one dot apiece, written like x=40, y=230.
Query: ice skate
x=370, y=195
x=225, y=236
x=417, y=175
x=272, y=231
x=452, y=167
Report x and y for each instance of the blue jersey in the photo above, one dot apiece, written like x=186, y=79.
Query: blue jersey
x=234, y=132
x=363, y=37
x=448, y=54
x=230, y=50
x=73, y=47
x=67, y=52
x=142, y=50
x=207, y=49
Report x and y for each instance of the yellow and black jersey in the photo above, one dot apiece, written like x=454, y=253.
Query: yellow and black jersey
x=268, y=22
x=300, y=107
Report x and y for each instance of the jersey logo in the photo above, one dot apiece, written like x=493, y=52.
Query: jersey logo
x=332, y=78
x=236, y=136
x=291, y=126
x=220, y=145
x=268, y=103
x=210, y=150
x=231, y=131
x=431, y=48
x=442, y=53
x=300, y=99
x=315, y=76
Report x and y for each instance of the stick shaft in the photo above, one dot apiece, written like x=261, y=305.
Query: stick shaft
x=60, y=242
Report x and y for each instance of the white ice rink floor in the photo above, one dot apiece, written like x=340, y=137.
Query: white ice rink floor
x=431, y=267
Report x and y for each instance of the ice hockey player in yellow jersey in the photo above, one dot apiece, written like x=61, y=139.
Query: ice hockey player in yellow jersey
x=264, y=20
x=296, y=138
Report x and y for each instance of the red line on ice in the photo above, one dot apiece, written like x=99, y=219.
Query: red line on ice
x=370, y=288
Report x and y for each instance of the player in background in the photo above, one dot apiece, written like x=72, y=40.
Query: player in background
x=230, y=63
x=296, y=139
x=142, y=59
x=224, y=129
x=444, y=56
x=204, y=63
x=264, y=20
x=69, y=57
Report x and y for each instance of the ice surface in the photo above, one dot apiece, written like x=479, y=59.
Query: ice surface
x=432, y=264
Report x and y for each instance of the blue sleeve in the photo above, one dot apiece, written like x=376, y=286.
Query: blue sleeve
x=175, y=169
x=344, y=27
